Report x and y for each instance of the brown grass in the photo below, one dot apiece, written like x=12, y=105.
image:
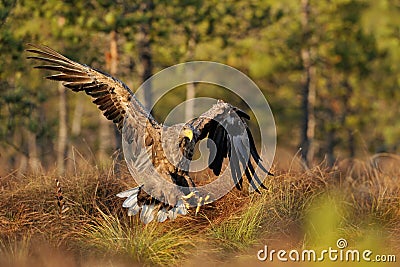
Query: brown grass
x=299, y=209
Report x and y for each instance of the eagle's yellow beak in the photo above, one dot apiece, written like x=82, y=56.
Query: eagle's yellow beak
x=188, y=133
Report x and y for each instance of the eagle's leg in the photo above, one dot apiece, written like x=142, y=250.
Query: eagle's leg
x=192, y=197
x=195, y=199
x=202, y=201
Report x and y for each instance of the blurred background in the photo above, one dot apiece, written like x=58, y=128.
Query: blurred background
x=329, y=69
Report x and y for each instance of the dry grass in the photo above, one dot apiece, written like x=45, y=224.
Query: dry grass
x=300, y=209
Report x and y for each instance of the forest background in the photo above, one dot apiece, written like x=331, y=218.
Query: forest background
x=329, y=69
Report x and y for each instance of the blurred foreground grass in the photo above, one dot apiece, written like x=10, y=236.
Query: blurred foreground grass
x=302, y=209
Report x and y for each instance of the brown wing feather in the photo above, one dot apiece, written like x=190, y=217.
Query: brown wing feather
x=112, y=96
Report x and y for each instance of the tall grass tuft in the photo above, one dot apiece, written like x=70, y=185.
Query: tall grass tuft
x=152, y=244
x=241, y=230
x=14, y=251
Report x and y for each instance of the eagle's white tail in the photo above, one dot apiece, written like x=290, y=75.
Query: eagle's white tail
x=149, y=211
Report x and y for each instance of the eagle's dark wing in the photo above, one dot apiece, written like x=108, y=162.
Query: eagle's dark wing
x=225, y=125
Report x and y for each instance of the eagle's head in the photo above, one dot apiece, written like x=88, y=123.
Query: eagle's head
x=187, y=132
x=187, y=137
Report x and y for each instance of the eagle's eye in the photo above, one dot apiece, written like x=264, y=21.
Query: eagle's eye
x=188, y=133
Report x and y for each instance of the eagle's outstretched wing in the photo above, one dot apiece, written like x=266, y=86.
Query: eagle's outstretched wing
x=225, y=126
x=111, y=95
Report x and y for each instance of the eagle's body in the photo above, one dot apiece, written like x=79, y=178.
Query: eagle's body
x=167, y=150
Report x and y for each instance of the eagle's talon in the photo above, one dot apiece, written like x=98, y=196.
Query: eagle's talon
x=199, y=203
x=206, y=200
x=196, y=200
x=187, y=205
x=186, y=197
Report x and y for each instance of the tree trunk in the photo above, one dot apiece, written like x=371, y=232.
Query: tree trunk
x=104, y=140
x=112, y=63
x=76, y=128
x=22, y=165
x=45, y=145
x=77, y=117
x=331, y=143
x=352, y=143
x=23, y=159
x=348, y=111
x=190, y=87
x=144, y=50
x=62, y=130
x=112, y=57
x=189, y=104
x=309, y=90
x=33, y=156
x=329, y=121
x=106, y=132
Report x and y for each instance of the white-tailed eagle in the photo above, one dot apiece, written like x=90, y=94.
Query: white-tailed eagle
x=167, y=149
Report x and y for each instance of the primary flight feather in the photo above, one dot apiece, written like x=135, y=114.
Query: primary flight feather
x=166, y=150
